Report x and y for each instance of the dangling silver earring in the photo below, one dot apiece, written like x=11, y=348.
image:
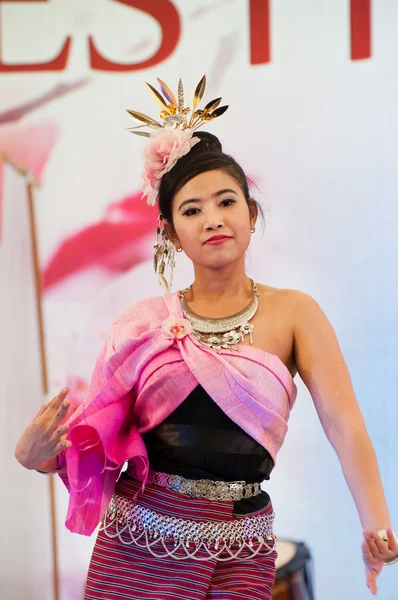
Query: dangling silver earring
x=163, y=260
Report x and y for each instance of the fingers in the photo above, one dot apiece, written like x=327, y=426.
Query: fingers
x=43, y=409
x=392, y=542
x=383, y=550
x=63, y=444
x=56, y=410
x=57, y=401
x=61, y=432
x=366, y=553
x=371, y=581
x=373, y=553
x=61, y=413
x=376, y=544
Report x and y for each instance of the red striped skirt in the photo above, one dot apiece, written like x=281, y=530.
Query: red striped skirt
x=120, y=568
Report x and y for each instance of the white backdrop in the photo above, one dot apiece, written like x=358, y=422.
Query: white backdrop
x=315, y=128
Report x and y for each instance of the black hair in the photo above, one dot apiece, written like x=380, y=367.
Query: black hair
x=206, y=155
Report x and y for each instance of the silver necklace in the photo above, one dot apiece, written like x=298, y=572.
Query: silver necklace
x=225, y=332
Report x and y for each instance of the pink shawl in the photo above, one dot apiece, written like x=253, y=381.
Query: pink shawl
x=140, y=378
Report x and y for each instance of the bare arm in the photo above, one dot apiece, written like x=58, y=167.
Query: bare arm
x=322, y=368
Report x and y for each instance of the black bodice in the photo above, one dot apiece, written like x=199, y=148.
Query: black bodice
x=199, y=441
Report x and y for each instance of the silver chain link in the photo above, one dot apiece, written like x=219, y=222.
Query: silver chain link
x=150, y=529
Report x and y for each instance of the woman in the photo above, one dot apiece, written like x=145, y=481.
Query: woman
x=194, y=390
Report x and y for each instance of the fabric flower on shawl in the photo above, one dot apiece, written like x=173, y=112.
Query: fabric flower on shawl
x=175, y=327
x=160, y=155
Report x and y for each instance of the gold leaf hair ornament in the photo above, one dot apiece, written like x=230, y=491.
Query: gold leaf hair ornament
x=173, y=138
x=168, y=141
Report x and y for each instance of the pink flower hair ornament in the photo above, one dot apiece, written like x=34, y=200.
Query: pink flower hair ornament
x=161, y=154
x=173, y=138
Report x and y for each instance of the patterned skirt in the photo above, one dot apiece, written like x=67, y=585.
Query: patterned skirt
x=157, y=552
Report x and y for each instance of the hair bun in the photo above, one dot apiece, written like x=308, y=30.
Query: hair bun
x=210, y=140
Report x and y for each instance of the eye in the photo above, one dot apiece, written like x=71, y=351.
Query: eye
x=189, y=212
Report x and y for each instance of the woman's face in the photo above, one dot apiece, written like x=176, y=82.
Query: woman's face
x=212, y=204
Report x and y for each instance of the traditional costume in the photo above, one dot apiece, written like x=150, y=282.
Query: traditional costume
x=198, y=418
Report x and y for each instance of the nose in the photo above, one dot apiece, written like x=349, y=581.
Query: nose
x=212, y=226
x=212, y=217
x=213, y=223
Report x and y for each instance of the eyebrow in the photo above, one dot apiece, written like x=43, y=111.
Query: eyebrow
x=215, y=195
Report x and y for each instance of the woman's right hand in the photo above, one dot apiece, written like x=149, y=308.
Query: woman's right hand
x=44, y=439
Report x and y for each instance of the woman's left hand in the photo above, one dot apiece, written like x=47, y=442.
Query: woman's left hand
x=374, y=552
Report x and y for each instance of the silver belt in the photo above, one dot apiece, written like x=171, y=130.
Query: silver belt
x=204, y=488
x=132, y=523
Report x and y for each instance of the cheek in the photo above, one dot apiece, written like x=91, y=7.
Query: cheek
x=242, y=229
x=187, y=230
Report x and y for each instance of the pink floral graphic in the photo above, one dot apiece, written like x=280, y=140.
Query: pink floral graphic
x=176, y=327
x=115, y=243
x=27, y=148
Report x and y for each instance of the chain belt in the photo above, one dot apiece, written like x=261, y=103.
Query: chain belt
x=204, y=488
x=165, y=535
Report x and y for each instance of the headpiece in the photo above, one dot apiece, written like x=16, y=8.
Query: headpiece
x=170, y=140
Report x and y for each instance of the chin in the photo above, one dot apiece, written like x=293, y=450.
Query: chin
x=224, y=261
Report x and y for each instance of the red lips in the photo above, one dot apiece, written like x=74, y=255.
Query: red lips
x=217, y=237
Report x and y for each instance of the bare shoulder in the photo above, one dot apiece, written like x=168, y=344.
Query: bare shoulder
x=284, y=320
x=298, y=309
x=309, y=322
x=287, y=296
